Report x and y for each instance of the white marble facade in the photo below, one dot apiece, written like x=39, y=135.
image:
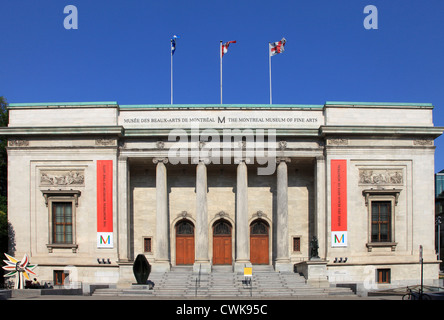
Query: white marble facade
x=167, y=171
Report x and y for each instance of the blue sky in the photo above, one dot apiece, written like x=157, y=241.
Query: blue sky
x=121, y=52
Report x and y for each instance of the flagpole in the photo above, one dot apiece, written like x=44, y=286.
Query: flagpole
x=269, y=67
x=171, y=49
x=220, y=54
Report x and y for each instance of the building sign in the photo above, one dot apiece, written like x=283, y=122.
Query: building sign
x=221, y=119
x=338, y=203
x=105, y=204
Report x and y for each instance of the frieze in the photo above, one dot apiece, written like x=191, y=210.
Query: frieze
x=105, y=142
x=423, y=142
x=18, y=143
x=337, y=142
x=381, y=176
x=62, y=178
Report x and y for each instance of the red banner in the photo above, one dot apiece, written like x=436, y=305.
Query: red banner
x=338, y=195
x=104, y=196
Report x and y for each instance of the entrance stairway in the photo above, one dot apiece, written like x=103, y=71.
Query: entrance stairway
x=222, y=282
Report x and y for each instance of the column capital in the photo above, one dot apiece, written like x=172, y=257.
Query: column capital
x=201, y=160
x=240, y=160
x=283, y=159
x=160, y=159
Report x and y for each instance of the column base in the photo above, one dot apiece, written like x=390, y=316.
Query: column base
x=240, y=265
x=203, y=267
x=283, y=266
x=126, y=275
x=161, y=266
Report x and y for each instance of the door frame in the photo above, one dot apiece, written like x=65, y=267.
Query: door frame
x=188, y=235
x=230, y=236
x=267, y=236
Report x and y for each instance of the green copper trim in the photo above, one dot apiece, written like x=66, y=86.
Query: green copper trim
x=377, y=104
x=220, y=106
x=60, y=104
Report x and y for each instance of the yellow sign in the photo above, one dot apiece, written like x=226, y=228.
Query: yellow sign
x=248, y=272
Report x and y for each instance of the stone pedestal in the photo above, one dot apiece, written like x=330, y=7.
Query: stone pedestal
x=315, y=272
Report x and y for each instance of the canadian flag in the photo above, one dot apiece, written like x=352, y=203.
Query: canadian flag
x=277, y=47
x=224, y=47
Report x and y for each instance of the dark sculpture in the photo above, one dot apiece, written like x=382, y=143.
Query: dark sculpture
x=141, y=269
x=314, y=248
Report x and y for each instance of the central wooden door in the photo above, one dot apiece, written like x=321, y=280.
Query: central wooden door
x=259, y=242
x=222, y=253
x=184, y=243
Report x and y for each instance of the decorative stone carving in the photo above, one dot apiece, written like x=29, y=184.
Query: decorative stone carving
x=156, y=160
x=221, y=214
x=337, y=142
x=381, y=176
x=62, y=178
x=105, y=142
x=18, y=143
x=183, y=214
x=282, y=145
x=160, y=145
x=423, y=142
x=286, y=159
x=259, y=214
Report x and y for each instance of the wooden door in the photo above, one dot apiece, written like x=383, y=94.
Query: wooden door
x=259, y=243
x=222, y=253
x=184, y=243
x=185, y=250
x=222, y=250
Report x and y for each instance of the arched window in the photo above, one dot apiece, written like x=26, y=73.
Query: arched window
x=184, y=228
x=259, y=227
x=222, y=228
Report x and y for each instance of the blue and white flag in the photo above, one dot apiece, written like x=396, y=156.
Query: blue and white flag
x=173, y=44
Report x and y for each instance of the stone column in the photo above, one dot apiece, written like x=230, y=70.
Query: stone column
x=123, y=221
x=242, y=232
x=202, y=262
x=162, y=261
x=282, y=250
x=320, y=215
x=123, y=209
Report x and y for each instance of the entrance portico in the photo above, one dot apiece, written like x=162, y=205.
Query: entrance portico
x=233, y=216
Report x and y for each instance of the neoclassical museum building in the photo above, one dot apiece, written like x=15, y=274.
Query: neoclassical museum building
x=341, y=192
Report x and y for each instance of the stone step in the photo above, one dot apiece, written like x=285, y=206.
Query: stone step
x=223, y=282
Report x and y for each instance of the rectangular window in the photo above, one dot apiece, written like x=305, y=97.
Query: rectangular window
x=62, y=222
x=60, y=276
x=383, y=275
x=296, y=244
x=147, y=244
x=381, y=221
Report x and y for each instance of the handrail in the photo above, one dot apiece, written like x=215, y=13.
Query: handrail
x=195, y=290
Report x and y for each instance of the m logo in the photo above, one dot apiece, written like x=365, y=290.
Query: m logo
x=339, y=238
x=104, y=240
